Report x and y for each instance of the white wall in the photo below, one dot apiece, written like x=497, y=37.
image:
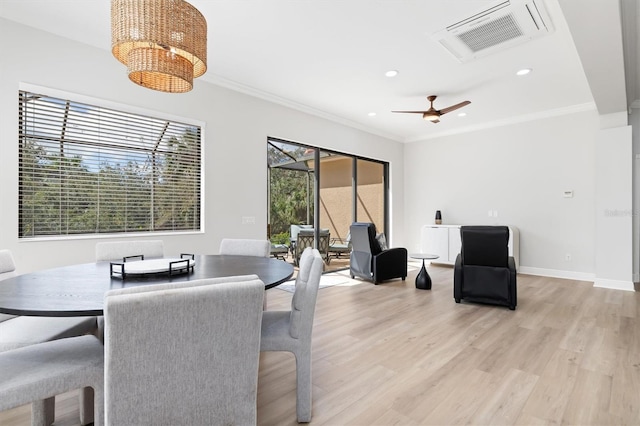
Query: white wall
x=614, y=204
x=520, y=171
x=236, y=130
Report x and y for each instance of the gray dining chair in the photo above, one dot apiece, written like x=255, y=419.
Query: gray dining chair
x=245, y=247
x=41, y=371
x=183, y=353
x=116, y=250
x=291, y=330
x=18, y=331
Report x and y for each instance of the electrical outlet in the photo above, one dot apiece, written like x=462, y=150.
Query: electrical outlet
x=490, y=214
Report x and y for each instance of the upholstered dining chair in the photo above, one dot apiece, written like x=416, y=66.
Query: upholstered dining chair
x=291, y=330
x=116, y=250
x=245, y=247
x=39, y=372
x=183, y=353
x=20, y=331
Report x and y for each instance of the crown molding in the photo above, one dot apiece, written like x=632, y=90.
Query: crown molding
x=270, y=97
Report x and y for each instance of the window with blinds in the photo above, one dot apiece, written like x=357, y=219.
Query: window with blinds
x=86, y=169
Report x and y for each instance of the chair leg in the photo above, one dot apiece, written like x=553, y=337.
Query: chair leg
x=86, y=403
x=98, y=403
x=43, y=412
x=303, y=387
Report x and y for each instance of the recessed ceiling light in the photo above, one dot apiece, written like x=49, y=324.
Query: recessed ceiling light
x=462, y=114
x=391, y=73
x=372, y=114
x=524, y=71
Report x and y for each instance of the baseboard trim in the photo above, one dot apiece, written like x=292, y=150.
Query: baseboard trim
x=556, y=273
x=614, y=284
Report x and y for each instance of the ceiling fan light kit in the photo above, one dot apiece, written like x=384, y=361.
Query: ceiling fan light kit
x=433, y=115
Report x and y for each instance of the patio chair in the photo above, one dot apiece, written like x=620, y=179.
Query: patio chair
x=306, y=239
x=339, y=248
x=293, y=235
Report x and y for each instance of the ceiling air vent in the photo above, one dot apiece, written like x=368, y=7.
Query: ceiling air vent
x=501, y=26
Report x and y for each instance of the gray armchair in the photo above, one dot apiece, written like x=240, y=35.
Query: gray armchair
x=291, y=330
x=183, y=353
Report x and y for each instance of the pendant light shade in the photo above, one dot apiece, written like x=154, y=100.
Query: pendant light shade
x=163, y=43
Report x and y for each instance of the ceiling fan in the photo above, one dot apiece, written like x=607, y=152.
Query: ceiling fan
x=433, y=114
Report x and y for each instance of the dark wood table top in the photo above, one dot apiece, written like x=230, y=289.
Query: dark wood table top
x=78, y=290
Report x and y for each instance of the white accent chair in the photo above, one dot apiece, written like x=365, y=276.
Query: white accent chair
x=245, y=247
x=183, y=353
x=41, y=371
x=116, y=250
x=20, y=331
x=291, y=330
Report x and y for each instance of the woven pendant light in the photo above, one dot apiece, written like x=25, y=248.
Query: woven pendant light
x=163, y=43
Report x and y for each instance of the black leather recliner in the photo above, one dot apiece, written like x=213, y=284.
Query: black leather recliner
x=484, y=272
x=369, y=261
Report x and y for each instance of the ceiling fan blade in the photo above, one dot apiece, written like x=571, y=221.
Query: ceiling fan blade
x=412, y=112
x=454, y=107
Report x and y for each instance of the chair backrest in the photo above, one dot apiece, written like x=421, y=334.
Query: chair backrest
x=7, y=270
x=294, y=229
x=485, y=245
x=245, y=247
x=7, y=265
x=303, y=303
x=116, y=250
x=306, y=239
x=185, y=354
x=363, y=238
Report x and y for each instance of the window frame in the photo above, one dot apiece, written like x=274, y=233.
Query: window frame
x=121, y=108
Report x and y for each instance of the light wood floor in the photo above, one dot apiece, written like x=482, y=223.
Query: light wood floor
x=394, y=355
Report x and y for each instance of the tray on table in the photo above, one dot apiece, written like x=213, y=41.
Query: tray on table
x=141, y=267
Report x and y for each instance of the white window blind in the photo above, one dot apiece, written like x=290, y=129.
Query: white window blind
x=86, y=169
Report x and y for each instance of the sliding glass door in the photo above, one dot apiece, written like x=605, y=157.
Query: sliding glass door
x=371, y=184
x=324, y=191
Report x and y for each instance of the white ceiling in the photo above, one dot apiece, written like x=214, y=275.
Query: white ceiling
x=328, y=57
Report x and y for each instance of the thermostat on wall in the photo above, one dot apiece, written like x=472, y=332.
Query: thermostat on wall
x=568, y=194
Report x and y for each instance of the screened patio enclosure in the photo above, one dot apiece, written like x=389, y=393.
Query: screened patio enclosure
x=324, y=190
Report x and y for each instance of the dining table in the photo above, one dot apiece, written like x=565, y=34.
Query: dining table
x=79, y=290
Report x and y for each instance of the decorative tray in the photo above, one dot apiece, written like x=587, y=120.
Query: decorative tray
x=140, y=267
